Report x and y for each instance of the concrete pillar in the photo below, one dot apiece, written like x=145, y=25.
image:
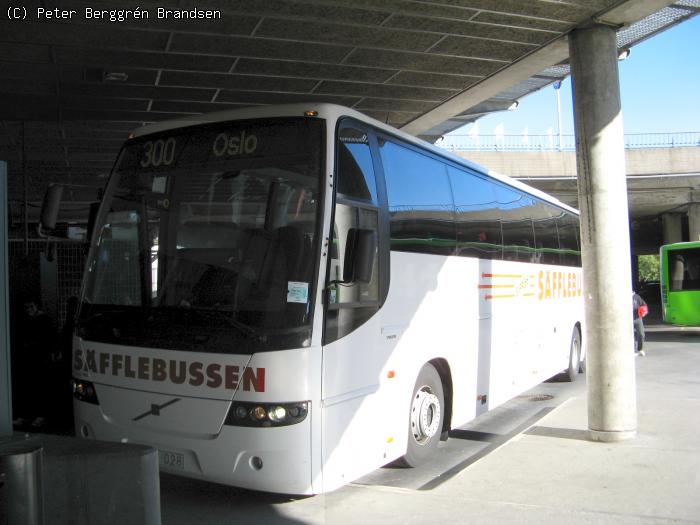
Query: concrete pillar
x=612, y=410
x=635, y=272
x=672, y=228
x=694, y=222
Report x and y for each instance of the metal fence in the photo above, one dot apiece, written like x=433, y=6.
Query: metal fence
x=551, y=142
x=70, y=259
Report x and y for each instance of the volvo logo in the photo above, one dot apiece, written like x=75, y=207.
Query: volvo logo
x=155, y=409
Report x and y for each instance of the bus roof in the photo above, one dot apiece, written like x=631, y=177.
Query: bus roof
x=334, y=112
x=681, y=245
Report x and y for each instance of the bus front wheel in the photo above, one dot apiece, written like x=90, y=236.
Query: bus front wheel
x=425, y=417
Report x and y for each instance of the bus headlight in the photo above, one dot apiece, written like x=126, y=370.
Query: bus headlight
x=84, y=391
x=242, y=414
x=277, y=414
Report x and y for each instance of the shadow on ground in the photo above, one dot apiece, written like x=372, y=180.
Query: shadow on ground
x=182, y=497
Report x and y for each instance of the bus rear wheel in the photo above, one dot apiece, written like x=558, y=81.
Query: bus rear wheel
x=572, y=372
x=425, y=417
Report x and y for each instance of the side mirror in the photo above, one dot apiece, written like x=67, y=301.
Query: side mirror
x=50, y=207
x=360, y=250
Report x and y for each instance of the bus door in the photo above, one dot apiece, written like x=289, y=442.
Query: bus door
x=354, y=354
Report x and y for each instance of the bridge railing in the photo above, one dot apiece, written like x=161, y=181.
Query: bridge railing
x=568, y=143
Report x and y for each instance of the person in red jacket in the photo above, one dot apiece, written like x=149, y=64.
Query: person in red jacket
x=639, y=310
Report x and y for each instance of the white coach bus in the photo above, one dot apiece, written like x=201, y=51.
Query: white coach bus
x=287, y=298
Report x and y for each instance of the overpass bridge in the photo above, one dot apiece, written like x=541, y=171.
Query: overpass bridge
x=663, y=177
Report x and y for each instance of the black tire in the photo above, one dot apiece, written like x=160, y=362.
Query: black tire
x=571, y=373
x=425, y=417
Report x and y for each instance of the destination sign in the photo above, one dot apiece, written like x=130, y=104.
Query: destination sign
x=231, y=145
x=222, y=143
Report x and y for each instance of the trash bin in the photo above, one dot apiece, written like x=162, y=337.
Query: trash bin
x=21, y=496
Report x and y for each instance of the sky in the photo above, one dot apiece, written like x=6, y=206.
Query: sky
x=659, y=88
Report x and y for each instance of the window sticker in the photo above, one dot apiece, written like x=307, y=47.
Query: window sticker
x=159, y=184
x=297, y=292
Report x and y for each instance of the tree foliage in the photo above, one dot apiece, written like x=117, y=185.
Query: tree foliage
x=649, y=268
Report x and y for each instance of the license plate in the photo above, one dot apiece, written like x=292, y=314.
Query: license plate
x=172, y=460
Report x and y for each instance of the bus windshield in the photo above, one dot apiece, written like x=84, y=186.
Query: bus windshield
x=206, y=240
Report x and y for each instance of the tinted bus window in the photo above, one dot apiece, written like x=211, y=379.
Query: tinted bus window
x=477, y=216
x=569, y=245
x=214, y=229
x=685, y=269
x=516, y=210
x=356, y=173
x=544, y=223
x=420, y=201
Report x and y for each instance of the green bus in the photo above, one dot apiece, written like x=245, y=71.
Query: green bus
x=680, y=283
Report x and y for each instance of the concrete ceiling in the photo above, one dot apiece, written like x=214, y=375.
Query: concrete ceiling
x=72, y=89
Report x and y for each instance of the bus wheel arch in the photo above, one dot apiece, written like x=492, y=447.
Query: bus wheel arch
x=443, y=369
x=426, y=416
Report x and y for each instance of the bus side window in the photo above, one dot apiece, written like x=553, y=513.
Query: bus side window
x=516, y=210
x=684, y=266
x=569, y=244
x=478, y=229
x=546, y=240
x=692, y=270
x=420, y=201
x=355, y=171
x=349, y=305
x=677, y=267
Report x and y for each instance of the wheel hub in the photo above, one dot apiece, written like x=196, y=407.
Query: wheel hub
x=425, y=415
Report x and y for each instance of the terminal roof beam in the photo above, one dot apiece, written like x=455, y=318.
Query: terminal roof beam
x=435, y=122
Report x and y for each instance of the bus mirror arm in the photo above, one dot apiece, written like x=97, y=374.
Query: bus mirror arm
x=50, y=207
